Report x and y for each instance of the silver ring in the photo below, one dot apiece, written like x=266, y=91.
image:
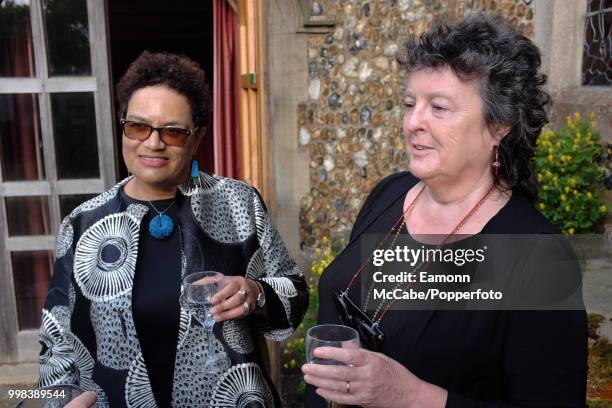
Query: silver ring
x=243, y=292
x=247, y=308
x=348, y=387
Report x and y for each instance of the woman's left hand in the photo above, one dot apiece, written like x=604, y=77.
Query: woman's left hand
x=369, y=379
x=229, y=302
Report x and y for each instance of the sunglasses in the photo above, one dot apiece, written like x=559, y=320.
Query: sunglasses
x=372, y=338
x=170, y=135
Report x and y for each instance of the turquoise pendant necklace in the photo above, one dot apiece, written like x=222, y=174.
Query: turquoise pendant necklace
x=161, y=225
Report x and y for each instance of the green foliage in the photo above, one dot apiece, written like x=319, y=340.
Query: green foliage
x=570, y=178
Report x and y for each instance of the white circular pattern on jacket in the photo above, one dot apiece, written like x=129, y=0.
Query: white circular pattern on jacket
x=236, y=335
x=138, y=392
x=205, y=184
x=278, y=334
x=184, y=325
x=57, y=359
x=192, y=384
x=256, y=267
x=101, y=399
x=137, y=210
x=261, y=217
x=242, y=386
x=63, y=242
x=225, y=214
x=62, y=317
x=285, y=290
x=100, y=280
x=71, y=297
x=116, y=337
x=83, y=362
x=275, y=257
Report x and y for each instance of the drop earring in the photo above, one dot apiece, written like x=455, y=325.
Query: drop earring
x=496, y=164
x=193, y=184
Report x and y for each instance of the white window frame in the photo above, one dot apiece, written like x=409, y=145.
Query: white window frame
x=15, y=345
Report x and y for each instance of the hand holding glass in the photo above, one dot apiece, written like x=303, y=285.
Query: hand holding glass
x=198, y=289
x=329, y=335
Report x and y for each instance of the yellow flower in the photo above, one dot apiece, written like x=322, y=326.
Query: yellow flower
x=550, y=150
x=542, y=206
x=558, y=145
x=325, y=240
x=567, y=208
x=571, y=181
x=550, y=158
x=545, y=188
x=589, y=195
x=577, y=116
x=575, y=192
x=318, y=251
x=566, y=189
x=603, y=209
x=563, y=198
x=570, y=231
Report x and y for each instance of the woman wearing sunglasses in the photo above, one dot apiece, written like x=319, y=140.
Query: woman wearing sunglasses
x=474, y=109
x=112, y=321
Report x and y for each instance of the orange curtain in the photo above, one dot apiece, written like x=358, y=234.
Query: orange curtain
x=226, y=125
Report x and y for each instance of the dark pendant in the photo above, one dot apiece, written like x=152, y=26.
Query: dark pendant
x=161, y=226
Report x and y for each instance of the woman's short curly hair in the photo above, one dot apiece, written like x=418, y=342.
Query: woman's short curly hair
x=174, y=71
x=506, y=65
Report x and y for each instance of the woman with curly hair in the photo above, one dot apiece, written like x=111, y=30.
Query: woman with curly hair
x=474, y=109
x=112, y=322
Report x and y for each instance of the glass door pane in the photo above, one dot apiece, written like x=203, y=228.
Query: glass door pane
x=21, y=148
x=74, y=127
x=67, y=30
x=70, y=202
x=27, y=216
x=31, y=276
x=16, y=49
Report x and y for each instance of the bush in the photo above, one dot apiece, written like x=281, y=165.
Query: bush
x=568, y=174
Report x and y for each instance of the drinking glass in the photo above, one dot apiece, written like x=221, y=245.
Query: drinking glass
x=329, y=335
x=198, y=289
x=53, y=396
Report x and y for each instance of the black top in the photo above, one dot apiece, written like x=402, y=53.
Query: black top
x=155, y=300
x=483, y=358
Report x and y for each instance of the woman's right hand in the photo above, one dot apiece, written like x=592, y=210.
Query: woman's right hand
x=85, y=400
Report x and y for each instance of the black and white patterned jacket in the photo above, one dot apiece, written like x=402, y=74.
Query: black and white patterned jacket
x=227, y=211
